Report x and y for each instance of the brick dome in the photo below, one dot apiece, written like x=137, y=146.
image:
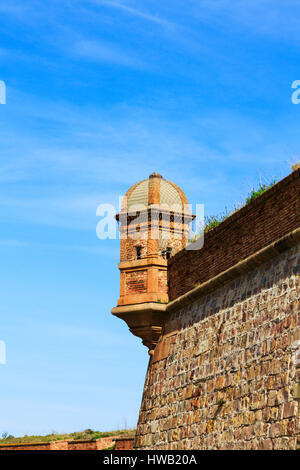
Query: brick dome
x=154, y=190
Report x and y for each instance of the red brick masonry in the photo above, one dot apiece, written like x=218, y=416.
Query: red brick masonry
x=124, y=443
x=98, y=444
x=267, y=218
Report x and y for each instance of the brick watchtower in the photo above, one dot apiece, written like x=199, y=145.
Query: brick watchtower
x=154, y=224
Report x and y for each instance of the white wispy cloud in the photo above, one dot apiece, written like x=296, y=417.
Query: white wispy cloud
x=3, y=52
x=276, y=19
x=13, y=243
x=100, y=52
x=113, y=252
x=131, y=11
x=97, y=154
x=69, y=211
x=9, y=9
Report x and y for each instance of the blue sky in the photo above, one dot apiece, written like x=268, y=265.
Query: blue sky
x=99, y=95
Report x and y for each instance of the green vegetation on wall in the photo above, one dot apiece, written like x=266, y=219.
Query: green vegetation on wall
x=210, y=222
x=88, y=434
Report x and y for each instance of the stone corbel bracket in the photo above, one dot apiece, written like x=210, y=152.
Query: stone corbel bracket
x=145, y=320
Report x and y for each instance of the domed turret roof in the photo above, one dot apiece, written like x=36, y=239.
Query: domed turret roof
x=154, y=190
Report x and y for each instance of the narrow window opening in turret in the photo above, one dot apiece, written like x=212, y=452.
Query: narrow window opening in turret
x=168, y=252
x=138, y=252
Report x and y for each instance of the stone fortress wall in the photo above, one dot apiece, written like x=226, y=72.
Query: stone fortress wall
x=225, y=372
